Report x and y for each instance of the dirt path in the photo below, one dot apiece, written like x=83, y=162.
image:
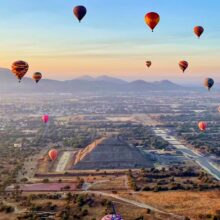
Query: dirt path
x=135, y=203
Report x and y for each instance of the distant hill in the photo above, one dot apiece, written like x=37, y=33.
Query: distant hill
x=84, y=84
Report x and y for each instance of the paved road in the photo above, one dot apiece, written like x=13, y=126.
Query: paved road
x=189, y=153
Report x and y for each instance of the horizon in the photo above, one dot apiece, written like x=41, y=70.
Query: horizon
x=102, y=44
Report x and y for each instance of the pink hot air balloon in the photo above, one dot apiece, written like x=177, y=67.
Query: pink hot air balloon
x=112, y=217
x=53, y=154
x=45, y=118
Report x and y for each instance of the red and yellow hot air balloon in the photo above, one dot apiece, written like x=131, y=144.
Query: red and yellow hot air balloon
x=37, y=77
x=152, y=19
x=19, y=69
x=198, y=30
x=53, y=154
x=148, y=63
x=45, y=118
x=183, y=65
x=80, y=12
x=202, y=125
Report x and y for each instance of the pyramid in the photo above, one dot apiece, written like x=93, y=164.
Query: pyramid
x=111, y=153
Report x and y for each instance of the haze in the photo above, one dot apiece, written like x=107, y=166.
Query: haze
x=112, y=40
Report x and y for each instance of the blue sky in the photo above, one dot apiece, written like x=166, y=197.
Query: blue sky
x=112, y=39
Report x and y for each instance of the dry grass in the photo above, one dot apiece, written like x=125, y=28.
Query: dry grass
x=185, y=203
x=111, y=184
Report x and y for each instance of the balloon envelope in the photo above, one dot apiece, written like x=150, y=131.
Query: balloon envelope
x=148, y=63
x=152, y=19
x=45, y=118
x=202, y=125
x=183, y=65
x=37, y=77
x=53, y=154
x=209, y=82
x=80, y=11
x=198, y=30
x=19, y=69
x=112, y=217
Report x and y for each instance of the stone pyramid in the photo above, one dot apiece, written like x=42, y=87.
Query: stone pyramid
x=111, y=153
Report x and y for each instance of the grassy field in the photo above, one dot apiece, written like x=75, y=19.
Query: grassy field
x=195, y=205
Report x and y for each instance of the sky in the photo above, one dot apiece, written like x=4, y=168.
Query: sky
x=112, y=39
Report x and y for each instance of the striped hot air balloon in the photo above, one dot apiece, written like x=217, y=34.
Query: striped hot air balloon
x=208, y=83
x=112, y=217
x=183, y=65
x=148, y=63
x=19, y=69
x=37, y=77
x=198, y=30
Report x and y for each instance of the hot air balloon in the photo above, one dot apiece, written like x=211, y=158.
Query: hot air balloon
x=37, y=77
x=209, y=83
x=53, y=154
x=219, y=108
x=202, y=125
x=112, y=217
x=19, y=69
x=80, y=11
x=198, y=30
x=45, y=118
x=183, y=65
x=152, y=19
x=148, y=63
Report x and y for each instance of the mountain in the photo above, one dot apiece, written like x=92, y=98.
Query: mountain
x=85, y=84
x=102, y=78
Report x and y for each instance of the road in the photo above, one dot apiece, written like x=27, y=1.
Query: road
x=202, y=161
x=135, y=203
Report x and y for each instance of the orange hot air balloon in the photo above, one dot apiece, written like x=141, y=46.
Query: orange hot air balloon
x=202, y=125
x=19, y=69
x=80, y=11
x=37, y=77
x=148, y=63
x=152, y=19
x=183, y=65
x=198, y=30
x=53, y=154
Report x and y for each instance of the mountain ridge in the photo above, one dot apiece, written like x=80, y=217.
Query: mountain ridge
x=84, y=84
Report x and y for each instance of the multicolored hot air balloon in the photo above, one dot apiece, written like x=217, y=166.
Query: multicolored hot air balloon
x=80, y=11
x=53, y=154
x=112, y=217
x=45, y=118
x=19, y=69
x=152, y=19
x=148, y=63
x=183, y=65
x=202, y=125
x=37, y=77
x=198, y=30
x=209, y=82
